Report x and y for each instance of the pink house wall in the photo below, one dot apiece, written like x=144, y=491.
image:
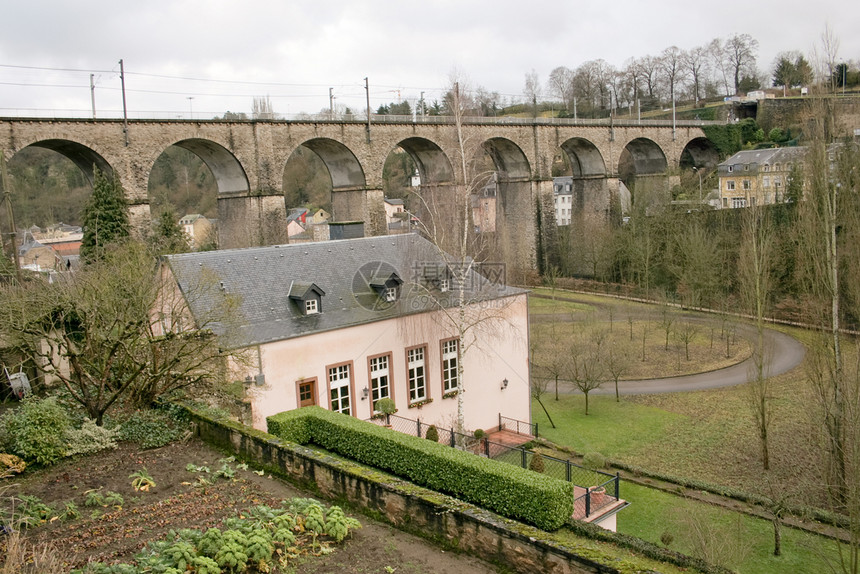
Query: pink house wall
x=496, y=351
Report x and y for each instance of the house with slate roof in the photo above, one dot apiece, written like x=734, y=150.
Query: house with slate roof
x=342, y=324
x=757, y=177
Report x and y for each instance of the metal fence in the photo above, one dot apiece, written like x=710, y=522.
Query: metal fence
x=599, y=489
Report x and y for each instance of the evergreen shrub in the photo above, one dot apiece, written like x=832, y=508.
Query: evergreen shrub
x=503, y=488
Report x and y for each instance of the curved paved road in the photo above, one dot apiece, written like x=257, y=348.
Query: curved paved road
x=787, y=354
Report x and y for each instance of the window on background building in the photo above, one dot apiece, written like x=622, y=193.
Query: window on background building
x=747, y=184
x=449, y=365
x=765, y=181
x=379, y=378
x=311, y=307
x=417, y=374
x=738, y=202
x=391, y=294
x=730, y=168
x=730, y=185
x=338, y=383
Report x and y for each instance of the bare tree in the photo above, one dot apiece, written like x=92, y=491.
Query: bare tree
x=110, y=332
x=718, y=55
x=695, y=62
x=586, y=365
x=560, y=85
x=446, y=222
x=740, y=53
x=532, y=89
x=672, y=68
x=618, y=363
x=756, y=288
x=261, y=108
x=829, y=57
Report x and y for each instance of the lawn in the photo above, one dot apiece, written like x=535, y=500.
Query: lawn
x=709, y=436
x=735, y=540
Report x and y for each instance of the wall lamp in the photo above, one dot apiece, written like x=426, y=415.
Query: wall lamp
x=364, y=392
x=504, y=384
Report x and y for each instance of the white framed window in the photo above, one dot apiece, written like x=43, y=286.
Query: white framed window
x=339, y=384
x=311, y=307
x=747, y=184
x=738, y=202
x=444, y=284
x=730, y=168
x=391, y=294
x=449, y=365
x=380, y=378
x=765, y=182
x=417, y=373
x=766, y=167
x=746, y=167
x=730, y=185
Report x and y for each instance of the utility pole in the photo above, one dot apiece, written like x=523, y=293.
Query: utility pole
x=124, y=109
x=330, y=104
x=93, y=94
x=367, y=89
x=7, y=193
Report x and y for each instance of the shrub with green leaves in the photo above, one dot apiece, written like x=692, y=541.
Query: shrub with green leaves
x=35, y=430
x=90, y=438
x=432, y=434
x=247, y=542
x=150, y=428
x=506, y=489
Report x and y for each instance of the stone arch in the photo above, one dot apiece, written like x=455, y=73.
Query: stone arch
x=643, y=171
x=343, y=167
x=699, y=153
x=510, y=161
x=82, y=156
x=229, y=174
x=642, y=156
x=585, y=159
x=432, y=163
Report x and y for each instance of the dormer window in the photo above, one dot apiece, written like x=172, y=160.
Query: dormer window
x=308, y=297
x=444, y=284
x=386, y=286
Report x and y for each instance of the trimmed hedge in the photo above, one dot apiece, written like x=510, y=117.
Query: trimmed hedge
x=503, y=488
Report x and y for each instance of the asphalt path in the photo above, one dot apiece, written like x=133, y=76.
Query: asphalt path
x=786, y=353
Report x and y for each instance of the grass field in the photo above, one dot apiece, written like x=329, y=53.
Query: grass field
x=708, y=436
x=737, y=541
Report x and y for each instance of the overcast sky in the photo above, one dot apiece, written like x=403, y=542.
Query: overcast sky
x=294, y=51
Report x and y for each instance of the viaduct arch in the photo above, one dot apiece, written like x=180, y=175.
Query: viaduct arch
x=247, y=159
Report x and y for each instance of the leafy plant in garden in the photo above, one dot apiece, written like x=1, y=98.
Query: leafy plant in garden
x=109, y=498
x=34, y=431
x=151, y=428
x=337, y=524
x=89, y=438
x=141, y=480
x=260, y=539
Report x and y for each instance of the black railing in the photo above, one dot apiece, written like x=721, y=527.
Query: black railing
x=519, y=427
x=600, y=488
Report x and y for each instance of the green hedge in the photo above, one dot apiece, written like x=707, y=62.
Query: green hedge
x=505, y=489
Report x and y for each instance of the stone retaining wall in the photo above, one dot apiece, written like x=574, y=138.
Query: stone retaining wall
x=443, y=519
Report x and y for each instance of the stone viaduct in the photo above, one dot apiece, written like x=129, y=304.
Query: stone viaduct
x=247, y=159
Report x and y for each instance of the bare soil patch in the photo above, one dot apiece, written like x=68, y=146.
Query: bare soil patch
x=115, y=534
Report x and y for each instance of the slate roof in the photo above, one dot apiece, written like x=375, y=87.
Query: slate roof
x=757, y=157
x=262, y=278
